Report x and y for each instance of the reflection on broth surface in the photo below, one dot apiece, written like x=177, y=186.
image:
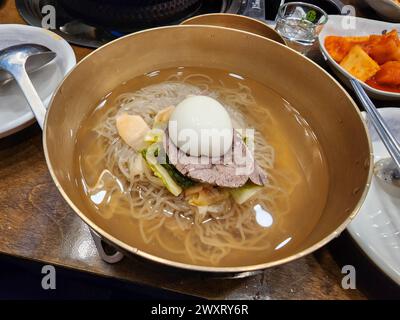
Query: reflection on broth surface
x=124, y=198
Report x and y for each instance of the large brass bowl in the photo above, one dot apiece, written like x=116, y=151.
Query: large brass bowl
x=325, y=105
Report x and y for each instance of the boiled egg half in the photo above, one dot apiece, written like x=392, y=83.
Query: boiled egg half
x=201, y=126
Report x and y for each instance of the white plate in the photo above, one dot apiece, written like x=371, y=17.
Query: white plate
x=376, y=228
x=15, y=113
x=386, y=8
x=339, y=26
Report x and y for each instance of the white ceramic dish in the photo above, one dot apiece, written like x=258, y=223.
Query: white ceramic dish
x=15, y=113
x=376, y=228
x=388, y=9
x=340, y=26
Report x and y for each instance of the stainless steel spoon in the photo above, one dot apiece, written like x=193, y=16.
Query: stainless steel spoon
x=387, y=170
x=388, y=175
x=16, y=60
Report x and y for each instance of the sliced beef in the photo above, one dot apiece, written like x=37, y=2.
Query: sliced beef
x=232, y=170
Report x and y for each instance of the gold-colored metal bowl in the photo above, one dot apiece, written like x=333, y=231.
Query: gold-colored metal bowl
x=237, y=22
x=325, y=105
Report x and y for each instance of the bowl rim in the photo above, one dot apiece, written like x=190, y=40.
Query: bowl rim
x=189, y=266
x=328, y=57
x=392, y=3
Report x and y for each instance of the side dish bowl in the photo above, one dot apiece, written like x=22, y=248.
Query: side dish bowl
x=237, y=22
x=353, y=26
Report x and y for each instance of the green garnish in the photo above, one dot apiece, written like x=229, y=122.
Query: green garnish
x=150, y=156
x=179, y=178
x=169, y=175
x=311, y=15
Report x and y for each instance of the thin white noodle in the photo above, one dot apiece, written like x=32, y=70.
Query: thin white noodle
x=159, y=213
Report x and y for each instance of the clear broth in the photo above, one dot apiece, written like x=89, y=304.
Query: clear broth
x=297, y=151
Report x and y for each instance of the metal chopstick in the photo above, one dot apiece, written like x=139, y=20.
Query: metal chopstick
x=379, y=123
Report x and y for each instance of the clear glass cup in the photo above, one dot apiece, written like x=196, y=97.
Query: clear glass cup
x=299, y=24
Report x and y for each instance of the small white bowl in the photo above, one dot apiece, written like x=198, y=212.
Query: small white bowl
x=376, y=228
x=340, y=26
x=15, y=113
x=388, y=9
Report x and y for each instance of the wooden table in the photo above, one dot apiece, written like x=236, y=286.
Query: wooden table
x=37, y=224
